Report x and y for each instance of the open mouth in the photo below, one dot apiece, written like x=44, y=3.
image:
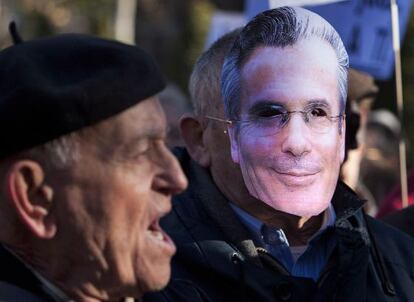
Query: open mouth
x=155, y=230
x=157, y=235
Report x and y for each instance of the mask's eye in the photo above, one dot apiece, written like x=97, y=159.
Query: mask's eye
x=267, y=111
x=318, y=112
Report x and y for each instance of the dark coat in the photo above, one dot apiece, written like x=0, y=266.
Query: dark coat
x=18, y=283
x=217, y=260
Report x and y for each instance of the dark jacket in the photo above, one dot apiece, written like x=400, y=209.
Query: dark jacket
x=18, y=283
x=217, y=260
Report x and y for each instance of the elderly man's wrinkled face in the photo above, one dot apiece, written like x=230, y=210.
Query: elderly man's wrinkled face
x=289, y=159
x=111, y=200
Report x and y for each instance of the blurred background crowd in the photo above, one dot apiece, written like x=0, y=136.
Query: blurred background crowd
x=176, y=31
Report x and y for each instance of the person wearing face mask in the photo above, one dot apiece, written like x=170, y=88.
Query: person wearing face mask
x=265, y=218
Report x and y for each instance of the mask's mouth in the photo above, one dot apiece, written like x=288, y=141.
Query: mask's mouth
x=298, y=173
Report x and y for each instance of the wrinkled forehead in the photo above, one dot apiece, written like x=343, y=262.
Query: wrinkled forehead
x=145, y=120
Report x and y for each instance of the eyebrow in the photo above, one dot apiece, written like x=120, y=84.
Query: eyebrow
x=154, y=132
x=262, y=104
x=318, y=102
x=151, y=133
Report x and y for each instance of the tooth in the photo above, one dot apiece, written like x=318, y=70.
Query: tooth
x=157, y=235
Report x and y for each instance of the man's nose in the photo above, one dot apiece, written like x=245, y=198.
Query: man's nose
x=171, y=179
x=296, y=136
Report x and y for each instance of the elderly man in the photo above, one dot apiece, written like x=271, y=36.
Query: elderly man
x=292, y=233
x=85, y=175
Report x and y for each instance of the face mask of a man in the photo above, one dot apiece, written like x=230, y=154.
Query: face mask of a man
x=289, y=140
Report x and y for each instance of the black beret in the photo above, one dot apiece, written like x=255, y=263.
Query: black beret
x=53, y=86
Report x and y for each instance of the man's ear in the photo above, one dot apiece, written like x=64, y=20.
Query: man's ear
x=192, y=133
x=234, y=147
x=31, y=197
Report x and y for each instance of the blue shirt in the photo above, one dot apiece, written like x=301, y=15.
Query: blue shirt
x=302, y=261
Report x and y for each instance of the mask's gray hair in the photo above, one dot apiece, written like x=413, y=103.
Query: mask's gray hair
x=278, y=27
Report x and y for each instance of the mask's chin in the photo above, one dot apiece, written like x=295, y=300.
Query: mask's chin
x=297, y=208
x=296, y=194
x=302, y=204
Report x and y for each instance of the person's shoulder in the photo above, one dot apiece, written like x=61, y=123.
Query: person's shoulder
x=396, y=246
x=397, y=251
x=402, y=220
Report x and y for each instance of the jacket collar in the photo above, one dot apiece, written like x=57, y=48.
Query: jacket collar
x=14, y=271
x=207, y=198
x=346, y=203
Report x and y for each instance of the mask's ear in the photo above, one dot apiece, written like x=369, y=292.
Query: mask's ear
x=192, y=132
x=31, y=198
x=231, y=129
x=342, y=138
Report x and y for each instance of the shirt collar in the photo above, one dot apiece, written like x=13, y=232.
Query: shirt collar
x=255, y=225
